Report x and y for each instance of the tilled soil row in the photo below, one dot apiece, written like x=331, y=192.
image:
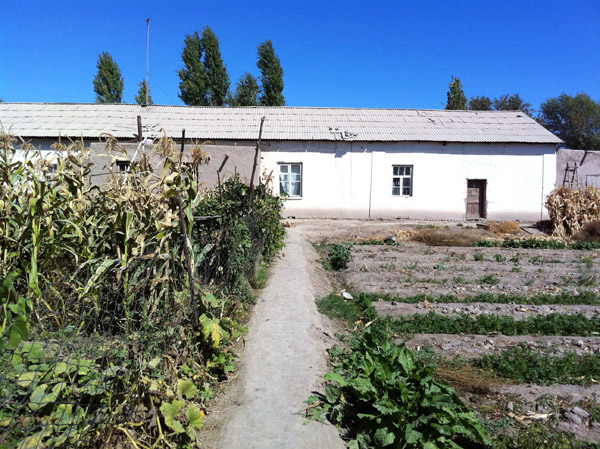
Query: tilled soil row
x=415, y=269
x=475, y=346
x=516, y=311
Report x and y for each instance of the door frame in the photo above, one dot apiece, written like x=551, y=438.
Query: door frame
x=482, y=199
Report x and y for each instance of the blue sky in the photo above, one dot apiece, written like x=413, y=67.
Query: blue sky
x=387, y=54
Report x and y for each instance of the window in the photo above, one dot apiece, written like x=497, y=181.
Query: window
x=124, y=166
x=290, y=180
x=402, y=180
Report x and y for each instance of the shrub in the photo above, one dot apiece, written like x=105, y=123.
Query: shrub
x=340, y=255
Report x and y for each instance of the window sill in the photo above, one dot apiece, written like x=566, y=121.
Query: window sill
x=292, y=198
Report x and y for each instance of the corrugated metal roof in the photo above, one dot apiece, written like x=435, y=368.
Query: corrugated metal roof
x=282, y=123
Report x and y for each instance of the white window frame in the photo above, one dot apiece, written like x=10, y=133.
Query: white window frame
x=401, y=177
x=289, y=181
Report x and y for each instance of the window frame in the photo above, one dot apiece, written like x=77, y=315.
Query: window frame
x=301, y=181
x=400, y=186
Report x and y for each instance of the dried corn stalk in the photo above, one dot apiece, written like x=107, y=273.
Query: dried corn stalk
x=571, y=208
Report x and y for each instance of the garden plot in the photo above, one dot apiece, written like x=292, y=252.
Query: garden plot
x=515, y=362
x=413, y=269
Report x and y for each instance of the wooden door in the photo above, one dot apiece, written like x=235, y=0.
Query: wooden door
x=476, y=198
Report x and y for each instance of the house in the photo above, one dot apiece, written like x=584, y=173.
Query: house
x=338, y=162
x=577, y=168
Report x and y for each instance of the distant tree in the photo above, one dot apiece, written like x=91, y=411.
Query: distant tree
x=217, y=79
x=456, y=96
x=271, y=77
x=246, y=92
x=192, y=88
x=108, y=83
x=576, y=120
x=512, y=103
x=480, y=104
x=140, y=98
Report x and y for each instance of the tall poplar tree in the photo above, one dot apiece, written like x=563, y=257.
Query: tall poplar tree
x=217, y=79
x=108, y=82
x=271, y=77
x=456, y=96
x=204, y=79
x=246, y=92
x=192, y=88
x=140, y=98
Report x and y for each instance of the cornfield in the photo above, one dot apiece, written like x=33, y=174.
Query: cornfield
x=117, y=301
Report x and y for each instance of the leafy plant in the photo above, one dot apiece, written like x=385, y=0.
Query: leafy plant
x=527, y=366
x=340, y=255
x=382, y=396
x=551, y=324
x=488, y=279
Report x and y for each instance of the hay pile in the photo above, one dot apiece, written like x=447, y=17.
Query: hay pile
x=571, y=208
x=503, y=227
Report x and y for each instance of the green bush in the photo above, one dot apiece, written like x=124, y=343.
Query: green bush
x=340, y=255
x=383, y=397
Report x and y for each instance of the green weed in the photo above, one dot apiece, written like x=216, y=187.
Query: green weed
x=584, y=297
x=527, y=366
x=488, y=279
x=499, y=258
x=552, y=324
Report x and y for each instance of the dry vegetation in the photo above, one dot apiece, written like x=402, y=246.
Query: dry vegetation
x=572, y=208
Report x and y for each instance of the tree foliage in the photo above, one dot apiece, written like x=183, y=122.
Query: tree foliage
x=108, y=82
x=271, y=75
x=217, y=79
x=140, y=97
x=512, y=103
x=504, y=102
x=575, y=119
x=193, y=76
x=204, y=79
x=456, y=96
x=246, y=92
x=480, y=104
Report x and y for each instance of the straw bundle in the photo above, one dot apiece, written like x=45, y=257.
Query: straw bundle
x=503, y=227
x=571, y=208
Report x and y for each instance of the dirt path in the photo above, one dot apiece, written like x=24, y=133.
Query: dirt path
x=283, y=361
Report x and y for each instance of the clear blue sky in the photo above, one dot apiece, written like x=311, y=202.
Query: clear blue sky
x=345, y=53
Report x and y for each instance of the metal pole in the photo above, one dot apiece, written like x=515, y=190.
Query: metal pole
x=147, y=41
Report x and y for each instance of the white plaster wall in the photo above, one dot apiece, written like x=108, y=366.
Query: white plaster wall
x=354, y=179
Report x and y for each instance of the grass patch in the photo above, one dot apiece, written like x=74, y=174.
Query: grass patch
x=552, y=324
x=527, y=366
x=349, y=311
x=584, y=298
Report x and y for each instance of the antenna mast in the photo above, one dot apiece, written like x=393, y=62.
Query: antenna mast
x=147, y=40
